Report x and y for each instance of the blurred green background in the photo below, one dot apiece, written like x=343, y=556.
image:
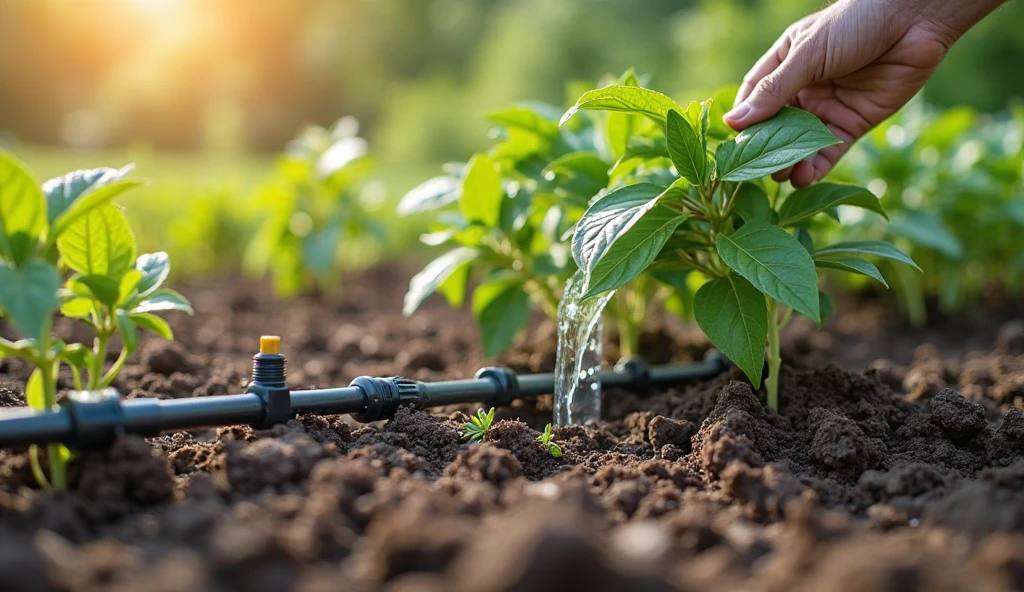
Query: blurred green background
x=202, y=93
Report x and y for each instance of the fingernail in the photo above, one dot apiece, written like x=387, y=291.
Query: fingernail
x=738, y=112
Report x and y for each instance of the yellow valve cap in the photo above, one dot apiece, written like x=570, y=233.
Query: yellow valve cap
x=270, y=344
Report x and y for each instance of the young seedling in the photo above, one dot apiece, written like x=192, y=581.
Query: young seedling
x=717, y=218
x=507, y=212
x=317, y=200
x=70, y=223
x=475, y=430
x=545, y=440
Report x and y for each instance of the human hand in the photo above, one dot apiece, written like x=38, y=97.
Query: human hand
x=853, y=65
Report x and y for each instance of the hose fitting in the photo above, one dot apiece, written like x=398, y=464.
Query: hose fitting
x=506, y=383
x=269, y=382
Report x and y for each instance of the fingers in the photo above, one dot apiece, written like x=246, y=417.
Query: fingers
x=764, y=66
x=772, y=92
x=783, y=175
x=821, y=164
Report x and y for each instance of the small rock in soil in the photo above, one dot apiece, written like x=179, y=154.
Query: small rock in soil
x=484, y=462
x=164, y=357
x=1007, y=446
x=839, y=445
x=271, y=463
x=959, y=418
x=663, y=431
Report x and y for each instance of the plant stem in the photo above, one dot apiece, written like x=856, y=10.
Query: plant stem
x=99, y=355
x=115, y=369
x=58, y=475
x=774, y=357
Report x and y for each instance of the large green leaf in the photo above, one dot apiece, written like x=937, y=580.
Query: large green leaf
x=29, y=296
x=772, y=145
x=610, y=217
x=22, y=209
x=810, y=201
x=430, y=195
x=775, y=263
x=502, y=309
x=426, y=282
x=851, y=265
x=752, y=204
x=687, y=148
x=734, y=316
x=628, y=99
x=481, y=192
x=861, y=249
x=99, y=243
x=70, y=197
x=634, y=250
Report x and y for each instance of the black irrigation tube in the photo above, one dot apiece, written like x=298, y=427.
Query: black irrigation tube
x=90, y=420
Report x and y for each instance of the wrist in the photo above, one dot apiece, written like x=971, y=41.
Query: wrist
x=950, y=19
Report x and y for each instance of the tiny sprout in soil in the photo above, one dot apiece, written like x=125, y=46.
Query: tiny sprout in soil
x=545, y=440
x=475, y=430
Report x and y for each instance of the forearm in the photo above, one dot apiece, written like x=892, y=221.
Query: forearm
x=953, y=18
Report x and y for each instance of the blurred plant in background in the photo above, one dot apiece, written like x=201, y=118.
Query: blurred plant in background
x=953, y=183
x=317, y=215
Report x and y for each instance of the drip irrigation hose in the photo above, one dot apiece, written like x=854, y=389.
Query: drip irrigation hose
x=94, y=419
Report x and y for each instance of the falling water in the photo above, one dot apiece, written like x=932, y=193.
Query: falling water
x=578, y=358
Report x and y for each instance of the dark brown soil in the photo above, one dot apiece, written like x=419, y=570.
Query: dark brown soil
x=903, y=471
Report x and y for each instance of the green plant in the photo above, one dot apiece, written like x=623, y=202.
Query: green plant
x=755, y=251
x=317, y=202
x=475, y=430
x=953, y=183
x=71, y=224
x=506, y=213
x=546, y=440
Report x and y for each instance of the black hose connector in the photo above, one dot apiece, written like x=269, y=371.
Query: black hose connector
x=97, y=418
x=718, y=362
x=638, y=371
x=269, y=383
x=506, y=384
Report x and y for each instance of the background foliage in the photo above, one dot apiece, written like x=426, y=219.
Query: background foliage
x=203, y=94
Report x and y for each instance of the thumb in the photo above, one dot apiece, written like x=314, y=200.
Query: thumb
x=773, y=92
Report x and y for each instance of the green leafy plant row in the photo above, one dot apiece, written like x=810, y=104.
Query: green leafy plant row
x=722, y=218
x=505, y=217
x=66, y=246
x=953, y=183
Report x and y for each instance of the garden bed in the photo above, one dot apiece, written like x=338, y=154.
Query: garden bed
x=876, y=480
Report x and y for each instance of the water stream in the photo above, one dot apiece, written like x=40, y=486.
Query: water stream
x=578, y=358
